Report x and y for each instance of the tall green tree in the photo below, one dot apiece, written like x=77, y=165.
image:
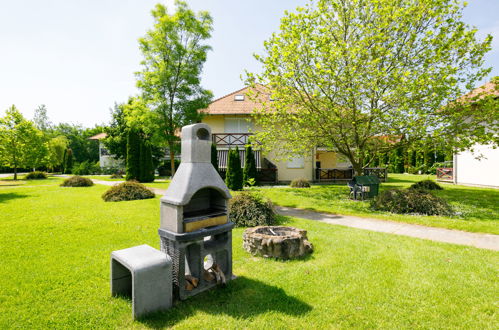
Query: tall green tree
x=146, y=165
x=345, y=74
x=249, y=171
x=19, y=140
x=57, y=147
x=214, y=156
x=133, y=155
x=234, y=174
x=41, y=119
x=117, y=131
x=174, y=53
x=68, y=165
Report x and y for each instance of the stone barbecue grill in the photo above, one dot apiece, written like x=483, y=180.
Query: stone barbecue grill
x=195, y=230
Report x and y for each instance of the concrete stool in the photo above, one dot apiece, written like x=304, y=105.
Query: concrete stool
x=145, y=274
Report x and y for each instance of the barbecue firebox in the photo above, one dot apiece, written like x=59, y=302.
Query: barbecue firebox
x=195, y=230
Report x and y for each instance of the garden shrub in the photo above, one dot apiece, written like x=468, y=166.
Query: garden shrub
x=426, y=185
x=127, y=191
x=234, y=173
x=116, y=176
x=249, y=210
x=35, y=175
x=411, y=201
x=77, y=181
x=300, y=183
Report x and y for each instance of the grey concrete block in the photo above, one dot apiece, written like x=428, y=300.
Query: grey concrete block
x=145, y=274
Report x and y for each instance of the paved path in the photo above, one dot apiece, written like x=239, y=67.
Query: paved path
x=483, y=241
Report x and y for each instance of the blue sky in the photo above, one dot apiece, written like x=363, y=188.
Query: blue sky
x=79, y=57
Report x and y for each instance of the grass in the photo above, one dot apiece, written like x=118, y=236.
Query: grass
x=54, y=273
x=478, y=207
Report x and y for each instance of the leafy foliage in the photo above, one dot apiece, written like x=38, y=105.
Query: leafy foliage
x=86, y=168
x=249, y=172
x=426, y=185
x=174, y=53
x=68, y=166
x=21, y=144
x=249, y=210
x=361, y=74
x=127, y=191
x=35, y=175
x=411, y=201
x=300, y=183
x=133, y=155
x=234, y=174
x=214, y=156
x=146, y=170
x=77, y=181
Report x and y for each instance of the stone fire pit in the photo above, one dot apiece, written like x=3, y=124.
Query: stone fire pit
x=276, y=242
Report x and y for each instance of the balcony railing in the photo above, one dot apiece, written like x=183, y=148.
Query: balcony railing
x=445, y=174
x=231, y=139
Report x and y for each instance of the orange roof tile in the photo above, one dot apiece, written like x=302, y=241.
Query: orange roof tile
x=228, y=105
x=99, y=136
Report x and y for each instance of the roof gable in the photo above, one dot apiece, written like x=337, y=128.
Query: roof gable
x=228, y=105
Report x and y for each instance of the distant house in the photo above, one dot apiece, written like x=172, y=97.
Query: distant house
x=106, y=160
x=231, y=120
x=467, y=169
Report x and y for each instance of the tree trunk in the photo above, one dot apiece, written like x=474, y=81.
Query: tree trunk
x=15, y=172
x=172, y=158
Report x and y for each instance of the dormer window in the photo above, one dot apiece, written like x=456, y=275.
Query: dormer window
x=239, y=97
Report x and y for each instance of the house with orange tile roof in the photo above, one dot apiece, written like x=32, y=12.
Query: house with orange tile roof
x=106, y=160
x=232, y=123
x=478, y=167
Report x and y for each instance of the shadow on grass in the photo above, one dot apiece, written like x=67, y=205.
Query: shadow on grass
x=9, y=196
x=243, y=298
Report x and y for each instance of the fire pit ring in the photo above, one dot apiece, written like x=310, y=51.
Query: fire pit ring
x=277, y=242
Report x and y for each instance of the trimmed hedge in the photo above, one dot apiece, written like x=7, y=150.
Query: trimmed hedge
x=249, y=210
x=77, y=181
x=35, y=175
x=127, y=191
x=411, y=201
x=426, y=185
x=300, y=183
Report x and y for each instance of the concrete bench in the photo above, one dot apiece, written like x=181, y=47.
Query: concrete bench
x=145, y=274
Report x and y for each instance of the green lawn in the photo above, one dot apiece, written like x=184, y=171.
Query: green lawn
x=54, y=273
x=478, y=207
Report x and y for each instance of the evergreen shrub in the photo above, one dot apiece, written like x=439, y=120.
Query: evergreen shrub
x=234, y=174
x=77, y=181
x=411, y=201
x=35, y=175
x=426, y=185
x=300, y=183
x=127, y=191
x=249, y=210
x=249, y=172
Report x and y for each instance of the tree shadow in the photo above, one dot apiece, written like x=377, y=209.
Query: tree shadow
x=242, y=298
x=9, y=196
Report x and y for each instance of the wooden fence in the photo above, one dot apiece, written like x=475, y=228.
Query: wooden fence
x=445, y=174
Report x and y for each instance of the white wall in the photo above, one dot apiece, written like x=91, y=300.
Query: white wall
x=483, y=172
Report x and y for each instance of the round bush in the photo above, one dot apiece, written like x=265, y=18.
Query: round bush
x=426, y=185
x=300, y=183
x=35, y=175
x=77, y=181
x=411, y=201
x=116, y=176
x=127, y=191
x=249, y=210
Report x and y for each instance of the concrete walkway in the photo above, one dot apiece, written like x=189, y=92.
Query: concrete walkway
x=483, y=241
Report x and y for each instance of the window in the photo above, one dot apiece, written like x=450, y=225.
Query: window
x=296, y=162
x=239, y=97
x=237, y=125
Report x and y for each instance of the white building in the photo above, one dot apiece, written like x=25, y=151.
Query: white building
x=106, y=160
